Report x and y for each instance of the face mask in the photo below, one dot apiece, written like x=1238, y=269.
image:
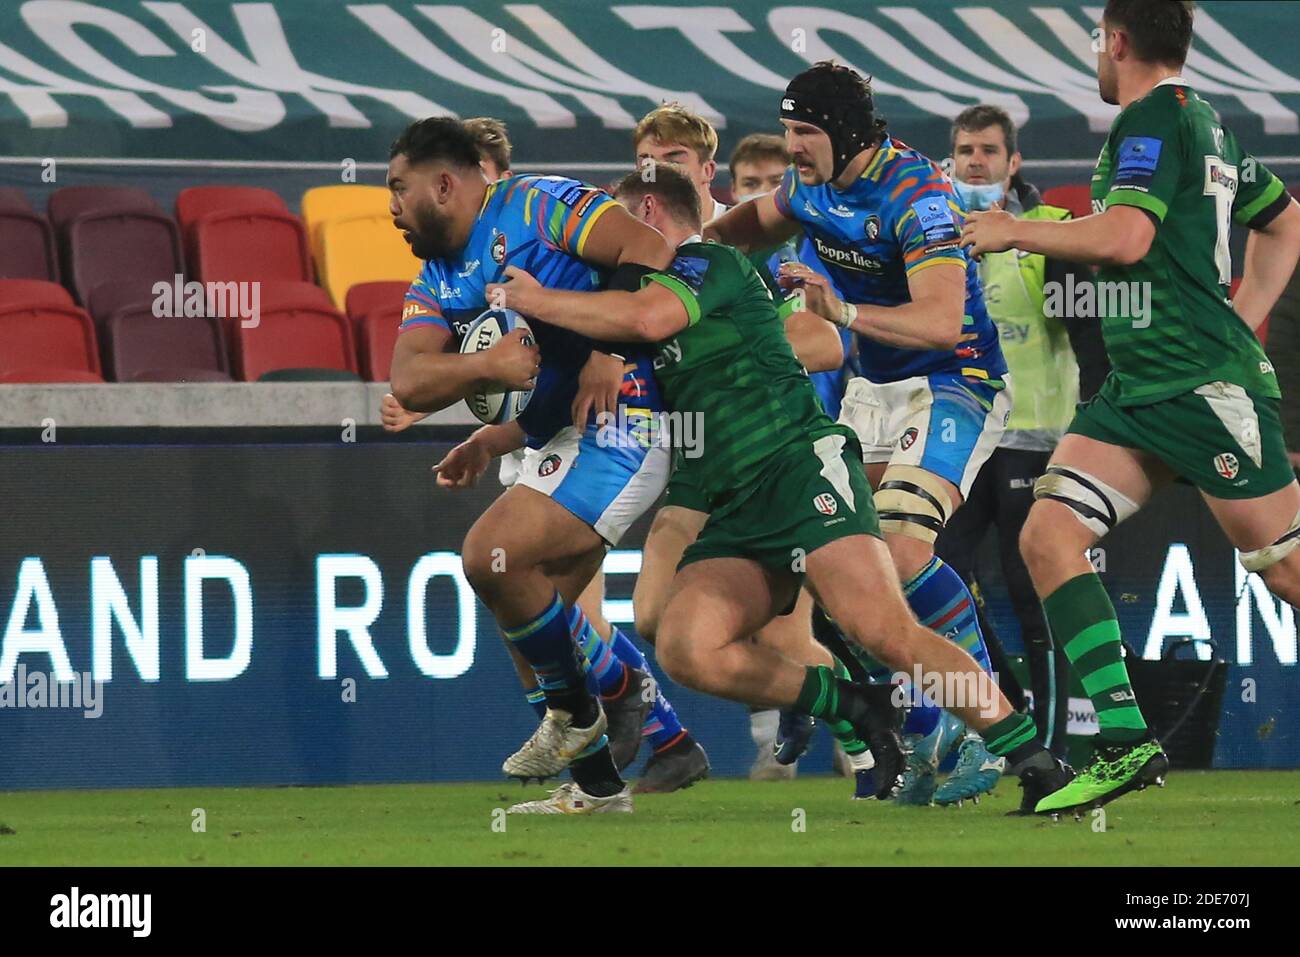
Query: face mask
x=979, y=196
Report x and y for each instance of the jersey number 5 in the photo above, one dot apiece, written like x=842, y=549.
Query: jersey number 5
x=1221, y=183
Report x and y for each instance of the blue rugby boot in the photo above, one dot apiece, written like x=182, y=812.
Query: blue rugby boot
x=977, y=772
x=927, y=753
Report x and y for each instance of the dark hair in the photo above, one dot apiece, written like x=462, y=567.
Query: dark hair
x=757, y=147
x=981, y=117
x=437, y=138
x=668, y=183
x=1161, y=30
x=493, y=140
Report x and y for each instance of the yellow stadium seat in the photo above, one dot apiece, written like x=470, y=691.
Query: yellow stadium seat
x=363, y=249
x=324, y=203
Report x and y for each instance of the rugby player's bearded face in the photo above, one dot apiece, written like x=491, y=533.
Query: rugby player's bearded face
x=425, y=223
x=810, y=151
x=1107, y=78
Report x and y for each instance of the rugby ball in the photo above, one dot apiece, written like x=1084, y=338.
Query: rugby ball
x=494, y=408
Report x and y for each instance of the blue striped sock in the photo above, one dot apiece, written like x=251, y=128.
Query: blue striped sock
x=547, y=644
x=607, y=672
x=537, y=701
x=944, y=604
x=662, y=726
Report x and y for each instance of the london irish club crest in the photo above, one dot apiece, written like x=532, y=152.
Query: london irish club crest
x=1226, y=464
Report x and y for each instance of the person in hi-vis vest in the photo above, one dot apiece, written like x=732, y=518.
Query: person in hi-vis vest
x=1055, y=361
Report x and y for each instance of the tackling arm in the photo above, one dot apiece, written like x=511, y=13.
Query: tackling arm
x=650, y=314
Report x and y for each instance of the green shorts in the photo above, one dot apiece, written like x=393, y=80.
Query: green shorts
x=1220, y=437
x=809, y=495
x=683, y=491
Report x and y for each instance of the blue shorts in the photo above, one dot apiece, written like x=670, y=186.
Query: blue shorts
x=946, y=423
x=608, y=476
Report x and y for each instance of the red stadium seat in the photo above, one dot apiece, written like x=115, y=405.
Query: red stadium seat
x=281, y=296
x=48, y=374
x=1076, y=197
x=300, y=337
x=142, y=347
x=47, y=338
x=110, y=298
x=13, y=198
x=288, y=295
x=377, y=334
x=32, y=292
x=200, y=200
x=68, y=203
x=27, y=249
x=251, y=246
x=119, y=245
x=367, y=297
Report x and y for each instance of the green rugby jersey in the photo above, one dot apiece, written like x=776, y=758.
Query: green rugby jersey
x=1167, y=153
x=734, y=368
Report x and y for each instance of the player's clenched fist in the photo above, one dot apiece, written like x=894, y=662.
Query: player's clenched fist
x=464, y=465
x=514, y=363
x=988, y=232
x=395, y=418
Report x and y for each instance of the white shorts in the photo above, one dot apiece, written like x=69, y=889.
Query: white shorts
x=946, y=423
x=511, y=463
x=609, y=484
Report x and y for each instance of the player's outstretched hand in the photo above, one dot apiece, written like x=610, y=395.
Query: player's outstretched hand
x=598, y=387
x=514, y=292
x=988, y=232
x=395, y=418
x=464, y=465
x=515, y=363
x=818, y=296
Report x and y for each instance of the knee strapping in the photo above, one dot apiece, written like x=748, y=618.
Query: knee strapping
x=912, y=501
x=1269, y=555
x=1094, y=503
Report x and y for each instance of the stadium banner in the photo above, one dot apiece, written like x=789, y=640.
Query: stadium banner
x=245, y=614
x=327, y=82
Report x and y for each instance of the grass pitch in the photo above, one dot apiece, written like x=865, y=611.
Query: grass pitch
x=1201, y=818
